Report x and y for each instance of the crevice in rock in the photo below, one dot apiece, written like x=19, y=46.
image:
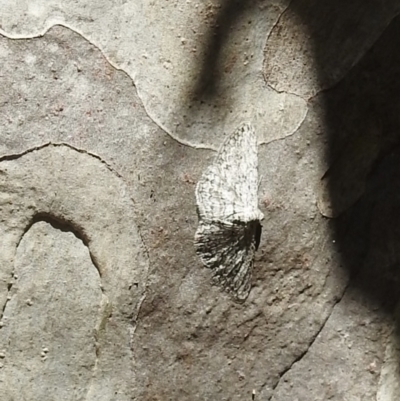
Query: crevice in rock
x=58, y=223
x=285, y=92
x=134, y=321
x=61, y=224
x=113, y=65
x=59, y=144
x=105, y=313
x=294, y=132
x=277, y=22
x=9, y=287
x=311, y=342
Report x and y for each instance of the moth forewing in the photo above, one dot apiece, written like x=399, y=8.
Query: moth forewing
x=229, y=228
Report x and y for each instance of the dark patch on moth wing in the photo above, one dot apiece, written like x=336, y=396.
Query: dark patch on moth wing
x=215, y=240
x=215, y=236
x=251, y=233
x=228, y=249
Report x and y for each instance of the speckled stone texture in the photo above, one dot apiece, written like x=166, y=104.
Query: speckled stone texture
x=109, y=114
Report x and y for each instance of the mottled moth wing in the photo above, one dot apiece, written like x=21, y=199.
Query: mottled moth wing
x=229, y=229
x=228, y=249
x=228, y=189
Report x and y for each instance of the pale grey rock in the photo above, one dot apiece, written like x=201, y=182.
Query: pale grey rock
x=355, y=355
x=315, y=44
x=77, y=189
x=206, y=344
x=72, y=95
x=189, y=341
x=171, y=51
x=389, y=381
x=49, y=333
x=344, y=362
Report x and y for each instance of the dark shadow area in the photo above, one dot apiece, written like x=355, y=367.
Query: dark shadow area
x=63, y=225
x=228, y=12
x=357, y=57
x=66, y=226
x=59, y=223
x=362, y=116
x=362, y=122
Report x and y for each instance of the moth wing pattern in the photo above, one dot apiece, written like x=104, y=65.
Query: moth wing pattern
x=228, y=249
x=229, y=229
x=228, y=188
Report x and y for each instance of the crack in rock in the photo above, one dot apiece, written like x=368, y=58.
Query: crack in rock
x=78, y=192
x=8, y=298
x=198, y=130
x=310, y=344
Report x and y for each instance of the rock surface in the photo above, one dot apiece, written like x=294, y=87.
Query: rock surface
x=55, y=300
x=109, y=114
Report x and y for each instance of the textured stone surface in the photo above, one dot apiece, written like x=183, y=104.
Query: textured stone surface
x=185, y=58
x=345, y=360
x=112, y=157
x=389, y=383
x=363, y=122
x=57, y=183
x=315, y=43
x=49, y=334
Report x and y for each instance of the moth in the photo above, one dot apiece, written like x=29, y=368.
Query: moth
x=229, y=228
